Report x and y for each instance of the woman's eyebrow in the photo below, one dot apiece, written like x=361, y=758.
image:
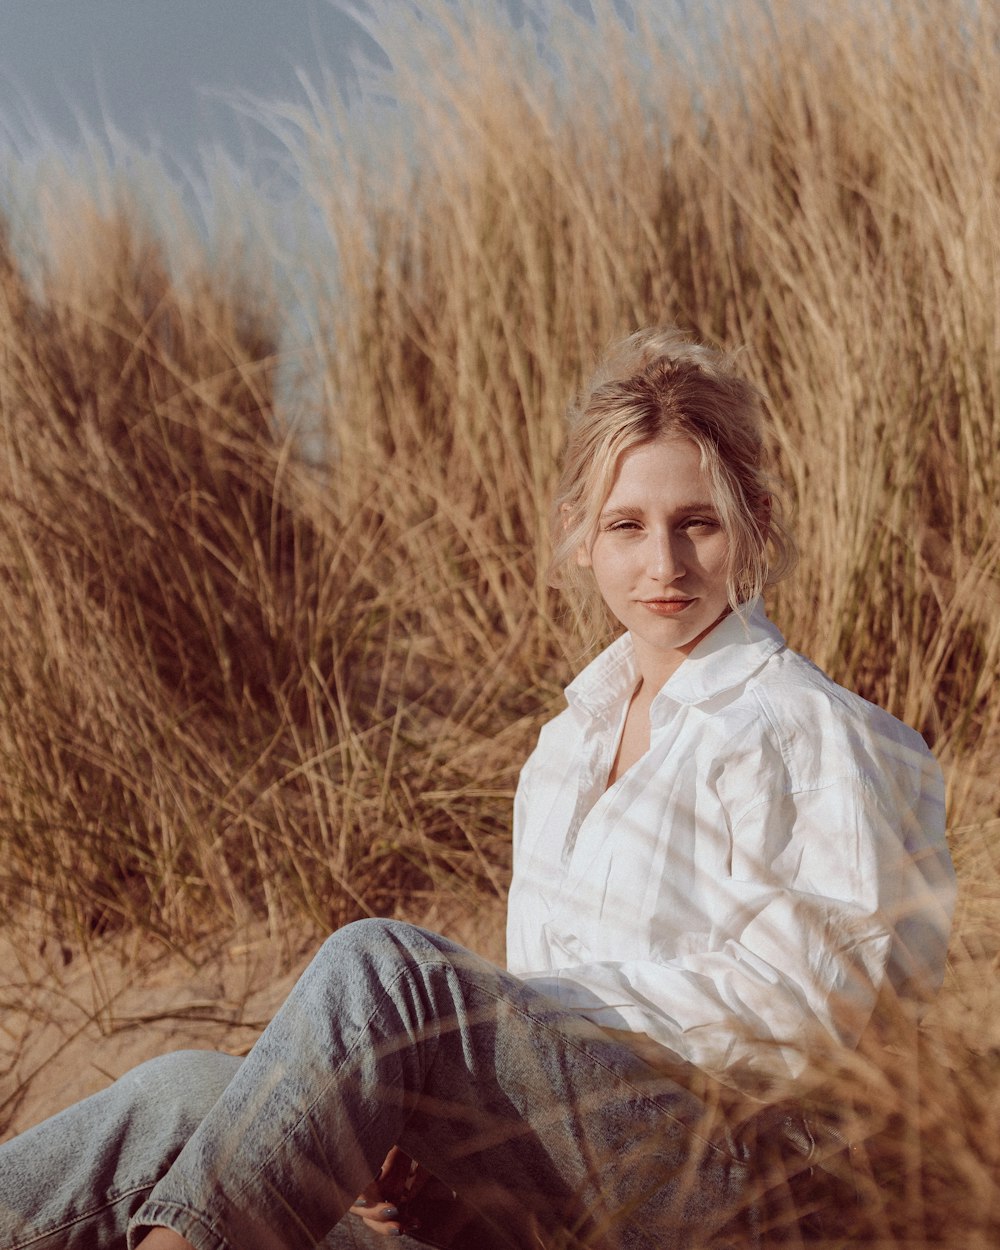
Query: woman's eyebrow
x=620, y=510
x=631, y=510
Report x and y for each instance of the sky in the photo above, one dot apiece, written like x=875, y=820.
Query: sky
x=165, y=78
x=158, y=71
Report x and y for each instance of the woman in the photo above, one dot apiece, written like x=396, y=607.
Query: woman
x=722, y=860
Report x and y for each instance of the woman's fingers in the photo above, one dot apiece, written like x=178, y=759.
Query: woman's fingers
x=381, y=1217
x=385, y=1204
x=393, y=1176
x=377, y=1204
x=373, y=1208
x=384, y=1220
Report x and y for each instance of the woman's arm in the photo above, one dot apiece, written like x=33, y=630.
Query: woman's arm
x=836, y=892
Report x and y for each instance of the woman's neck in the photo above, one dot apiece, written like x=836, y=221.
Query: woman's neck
x=634, y=740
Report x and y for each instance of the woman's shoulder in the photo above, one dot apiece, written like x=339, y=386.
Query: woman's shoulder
x=822, y=729
x=791, y=682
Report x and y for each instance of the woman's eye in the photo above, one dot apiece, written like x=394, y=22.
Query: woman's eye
x=700, y=523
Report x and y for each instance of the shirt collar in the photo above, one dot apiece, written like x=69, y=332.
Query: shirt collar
x=725, y=658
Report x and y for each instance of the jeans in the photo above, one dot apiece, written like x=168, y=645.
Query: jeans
x=555, y=1134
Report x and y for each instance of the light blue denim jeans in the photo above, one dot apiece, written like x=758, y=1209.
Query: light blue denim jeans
x=556, y=1134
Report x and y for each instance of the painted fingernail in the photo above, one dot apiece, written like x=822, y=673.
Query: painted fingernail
x=390, y=1213
x=361, y=1202
x=395, y=1232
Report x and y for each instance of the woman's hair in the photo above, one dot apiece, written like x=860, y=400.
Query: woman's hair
x=659, y=384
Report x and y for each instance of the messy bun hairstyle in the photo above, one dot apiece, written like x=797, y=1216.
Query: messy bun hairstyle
x=660, y=384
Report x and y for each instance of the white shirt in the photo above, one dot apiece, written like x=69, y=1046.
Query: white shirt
x=774, y=861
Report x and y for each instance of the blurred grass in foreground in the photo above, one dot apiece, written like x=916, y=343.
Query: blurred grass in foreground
x=237, y=681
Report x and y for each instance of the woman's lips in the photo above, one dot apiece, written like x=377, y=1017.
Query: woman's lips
x=666, y=607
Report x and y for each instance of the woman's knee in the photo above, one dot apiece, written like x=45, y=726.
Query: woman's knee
x=378, y=939
x=377, y=953
x=182, y=1085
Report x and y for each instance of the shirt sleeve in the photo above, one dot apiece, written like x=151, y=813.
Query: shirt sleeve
x=836, y=892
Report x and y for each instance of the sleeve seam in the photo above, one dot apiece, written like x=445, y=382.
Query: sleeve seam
x=856, y=779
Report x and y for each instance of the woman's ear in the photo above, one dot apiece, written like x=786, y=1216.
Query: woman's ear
x=582, y=556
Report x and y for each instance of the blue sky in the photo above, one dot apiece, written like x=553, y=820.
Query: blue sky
x=156, y=70
x=163, y=75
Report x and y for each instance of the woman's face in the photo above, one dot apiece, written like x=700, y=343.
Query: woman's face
x=660, y=556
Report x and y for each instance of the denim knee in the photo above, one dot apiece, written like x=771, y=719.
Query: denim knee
x=381, y=941
x=180, y=1087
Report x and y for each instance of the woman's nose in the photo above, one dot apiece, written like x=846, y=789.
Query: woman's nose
x=666, y=563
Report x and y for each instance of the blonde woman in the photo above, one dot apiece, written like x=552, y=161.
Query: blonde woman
x=723, y=861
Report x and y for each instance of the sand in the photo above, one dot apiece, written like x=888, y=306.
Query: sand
x=73, y=1021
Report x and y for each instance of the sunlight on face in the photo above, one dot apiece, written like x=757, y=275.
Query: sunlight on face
x=660, y=555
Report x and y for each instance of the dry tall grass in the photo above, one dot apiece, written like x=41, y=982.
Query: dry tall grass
x=234, y=682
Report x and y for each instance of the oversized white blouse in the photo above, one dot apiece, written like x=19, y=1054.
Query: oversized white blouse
x=772, y=863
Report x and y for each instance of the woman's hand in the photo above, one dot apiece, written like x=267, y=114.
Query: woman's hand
x=382, y=1206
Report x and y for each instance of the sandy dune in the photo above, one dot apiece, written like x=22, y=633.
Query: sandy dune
x=71, y=1022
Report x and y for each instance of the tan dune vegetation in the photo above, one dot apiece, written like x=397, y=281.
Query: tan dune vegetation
x=255, y=680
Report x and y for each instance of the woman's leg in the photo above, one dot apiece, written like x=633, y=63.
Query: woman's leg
x=393, y=1035
x=74, y=1181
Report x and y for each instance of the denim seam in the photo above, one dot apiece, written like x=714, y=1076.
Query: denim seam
x=472, y=983
x=109, y=1201
x=617, y=1076
x=318, y=1095
x=168, y=1208
x=526, y=1015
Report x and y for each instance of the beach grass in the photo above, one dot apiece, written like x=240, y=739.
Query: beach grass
x=277, y=653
